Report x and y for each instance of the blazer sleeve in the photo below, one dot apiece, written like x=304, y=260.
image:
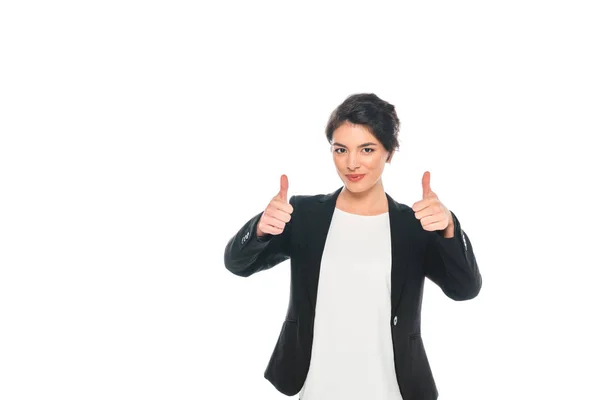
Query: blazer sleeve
x=246, y=253
x=450, y=263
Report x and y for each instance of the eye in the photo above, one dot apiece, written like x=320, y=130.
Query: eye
x=339, y=148
x=369, y=148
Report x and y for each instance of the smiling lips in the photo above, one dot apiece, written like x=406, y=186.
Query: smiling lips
x=355, y=177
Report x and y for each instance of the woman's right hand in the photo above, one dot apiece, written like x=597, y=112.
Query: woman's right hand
x=277, y=213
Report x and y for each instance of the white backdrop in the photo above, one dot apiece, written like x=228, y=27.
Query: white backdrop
x=138, y=137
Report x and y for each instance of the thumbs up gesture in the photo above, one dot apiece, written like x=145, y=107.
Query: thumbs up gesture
x=434, y=216
x=277, y=213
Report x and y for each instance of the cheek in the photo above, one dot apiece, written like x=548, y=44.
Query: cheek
x=373, y=164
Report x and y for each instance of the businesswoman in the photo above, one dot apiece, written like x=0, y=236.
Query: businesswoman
x=358, y=262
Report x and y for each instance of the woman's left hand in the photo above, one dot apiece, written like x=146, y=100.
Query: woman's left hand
x=434, y=215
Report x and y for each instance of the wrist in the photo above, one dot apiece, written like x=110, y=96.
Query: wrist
x=449, y=231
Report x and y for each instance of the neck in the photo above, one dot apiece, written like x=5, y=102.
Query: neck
x=371, y=198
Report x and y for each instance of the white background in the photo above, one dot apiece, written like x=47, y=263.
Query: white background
x=138, y=137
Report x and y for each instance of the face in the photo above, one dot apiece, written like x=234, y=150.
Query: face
x=356, y=150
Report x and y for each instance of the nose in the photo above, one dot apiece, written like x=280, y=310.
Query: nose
x=352, y=164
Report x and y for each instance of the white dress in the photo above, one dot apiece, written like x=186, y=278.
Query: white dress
x=352, y=354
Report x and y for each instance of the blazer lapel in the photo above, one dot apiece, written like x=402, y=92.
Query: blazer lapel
x=322, y=214
x=400, y=249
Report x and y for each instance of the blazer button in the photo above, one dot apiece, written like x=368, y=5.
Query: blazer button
x=395, y=320
x=245, y=237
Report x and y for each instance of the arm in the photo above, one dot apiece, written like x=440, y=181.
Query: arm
x=450, y=263
x=246, y=253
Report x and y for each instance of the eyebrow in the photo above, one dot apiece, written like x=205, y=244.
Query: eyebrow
x=362, y=145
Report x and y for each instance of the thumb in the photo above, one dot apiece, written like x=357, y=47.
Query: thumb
x=283, y=188
x=426, y=184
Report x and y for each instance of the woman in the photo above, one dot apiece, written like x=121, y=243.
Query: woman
x=358, y=263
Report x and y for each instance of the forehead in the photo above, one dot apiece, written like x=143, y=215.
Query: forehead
x=353, y=134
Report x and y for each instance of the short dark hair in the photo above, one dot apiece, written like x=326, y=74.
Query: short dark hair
x=367, y=109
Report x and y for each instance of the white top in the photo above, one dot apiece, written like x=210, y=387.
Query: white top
x=352, y=353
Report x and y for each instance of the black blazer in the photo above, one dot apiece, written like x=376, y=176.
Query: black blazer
x=416, y=254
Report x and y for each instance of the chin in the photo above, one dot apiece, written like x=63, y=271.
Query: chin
x=359, y=186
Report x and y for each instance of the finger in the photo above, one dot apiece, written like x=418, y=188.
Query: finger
x=432, y=219
x=272, y=230
x=436, y=226
x=428, y=212
x=280, y=214
x=279, y=204
x=273, y=222
x=423, y=204
x=433, y=209
x=426, y=184
x=283, y=187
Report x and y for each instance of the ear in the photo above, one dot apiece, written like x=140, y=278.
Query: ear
x=389, y=159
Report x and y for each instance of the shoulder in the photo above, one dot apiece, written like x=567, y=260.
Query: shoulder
x=408, y=219
x=400, y=206
x=403, y=207
x=305, y=201
x=413, y=225
x=307, y=198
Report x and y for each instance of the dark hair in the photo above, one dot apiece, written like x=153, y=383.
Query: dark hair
x=367, y=109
